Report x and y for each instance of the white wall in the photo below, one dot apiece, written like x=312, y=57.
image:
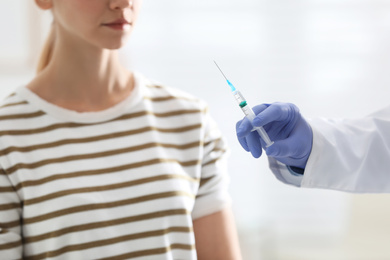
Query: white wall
x=329, y=57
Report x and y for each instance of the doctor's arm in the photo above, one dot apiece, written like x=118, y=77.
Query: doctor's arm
x=351, y=155
x=345, y=155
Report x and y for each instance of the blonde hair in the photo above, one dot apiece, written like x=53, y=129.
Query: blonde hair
x=47, y=50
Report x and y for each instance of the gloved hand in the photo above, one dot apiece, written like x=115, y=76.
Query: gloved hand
x=283, y=122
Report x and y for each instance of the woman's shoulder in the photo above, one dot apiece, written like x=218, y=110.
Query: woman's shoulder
x=14, y=106
x=12, y=102
x=157, y=91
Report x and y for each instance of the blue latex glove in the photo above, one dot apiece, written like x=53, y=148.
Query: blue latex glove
x=283, y=122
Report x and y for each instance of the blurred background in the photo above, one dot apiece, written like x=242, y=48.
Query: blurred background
x=330, y=57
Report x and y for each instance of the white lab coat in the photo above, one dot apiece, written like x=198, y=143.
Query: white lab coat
x=350, y=155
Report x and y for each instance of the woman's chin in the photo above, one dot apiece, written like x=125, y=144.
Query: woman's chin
x=114, y=45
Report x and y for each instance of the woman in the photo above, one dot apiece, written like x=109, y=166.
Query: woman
x=99, y=162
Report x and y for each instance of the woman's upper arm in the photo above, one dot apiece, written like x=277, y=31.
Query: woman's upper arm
x=216, y=236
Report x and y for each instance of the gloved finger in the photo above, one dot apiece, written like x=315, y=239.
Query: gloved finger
x=243, y=127
x=242, y=141
x=254, y=145
x=260, y=108
x=275, y=112
x=281, y=148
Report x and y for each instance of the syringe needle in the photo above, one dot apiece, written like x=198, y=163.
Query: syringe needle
x=230, y=84
x=220, y=70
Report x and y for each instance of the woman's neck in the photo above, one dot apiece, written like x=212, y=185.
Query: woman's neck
x=85, y=78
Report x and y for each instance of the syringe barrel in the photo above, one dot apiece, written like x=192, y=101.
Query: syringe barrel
x=248, y=113
x=239, y=97
x=263, y=134
x=251, y=115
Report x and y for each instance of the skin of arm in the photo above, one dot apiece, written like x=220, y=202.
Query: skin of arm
x=216, y=237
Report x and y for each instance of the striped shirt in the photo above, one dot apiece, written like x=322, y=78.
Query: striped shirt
x=122, y=183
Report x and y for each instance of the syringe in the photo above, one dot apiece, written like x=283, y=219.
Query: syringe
x=247, y=110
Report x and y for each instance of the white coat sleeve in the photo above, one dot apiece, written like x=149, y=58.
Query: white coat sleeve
x=347, y=155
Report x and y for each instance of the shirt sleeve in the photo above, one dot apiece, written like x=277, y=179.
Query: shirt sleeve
x=350, y=155
x=10, y=214
x=285, y=173
x=213, y=193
